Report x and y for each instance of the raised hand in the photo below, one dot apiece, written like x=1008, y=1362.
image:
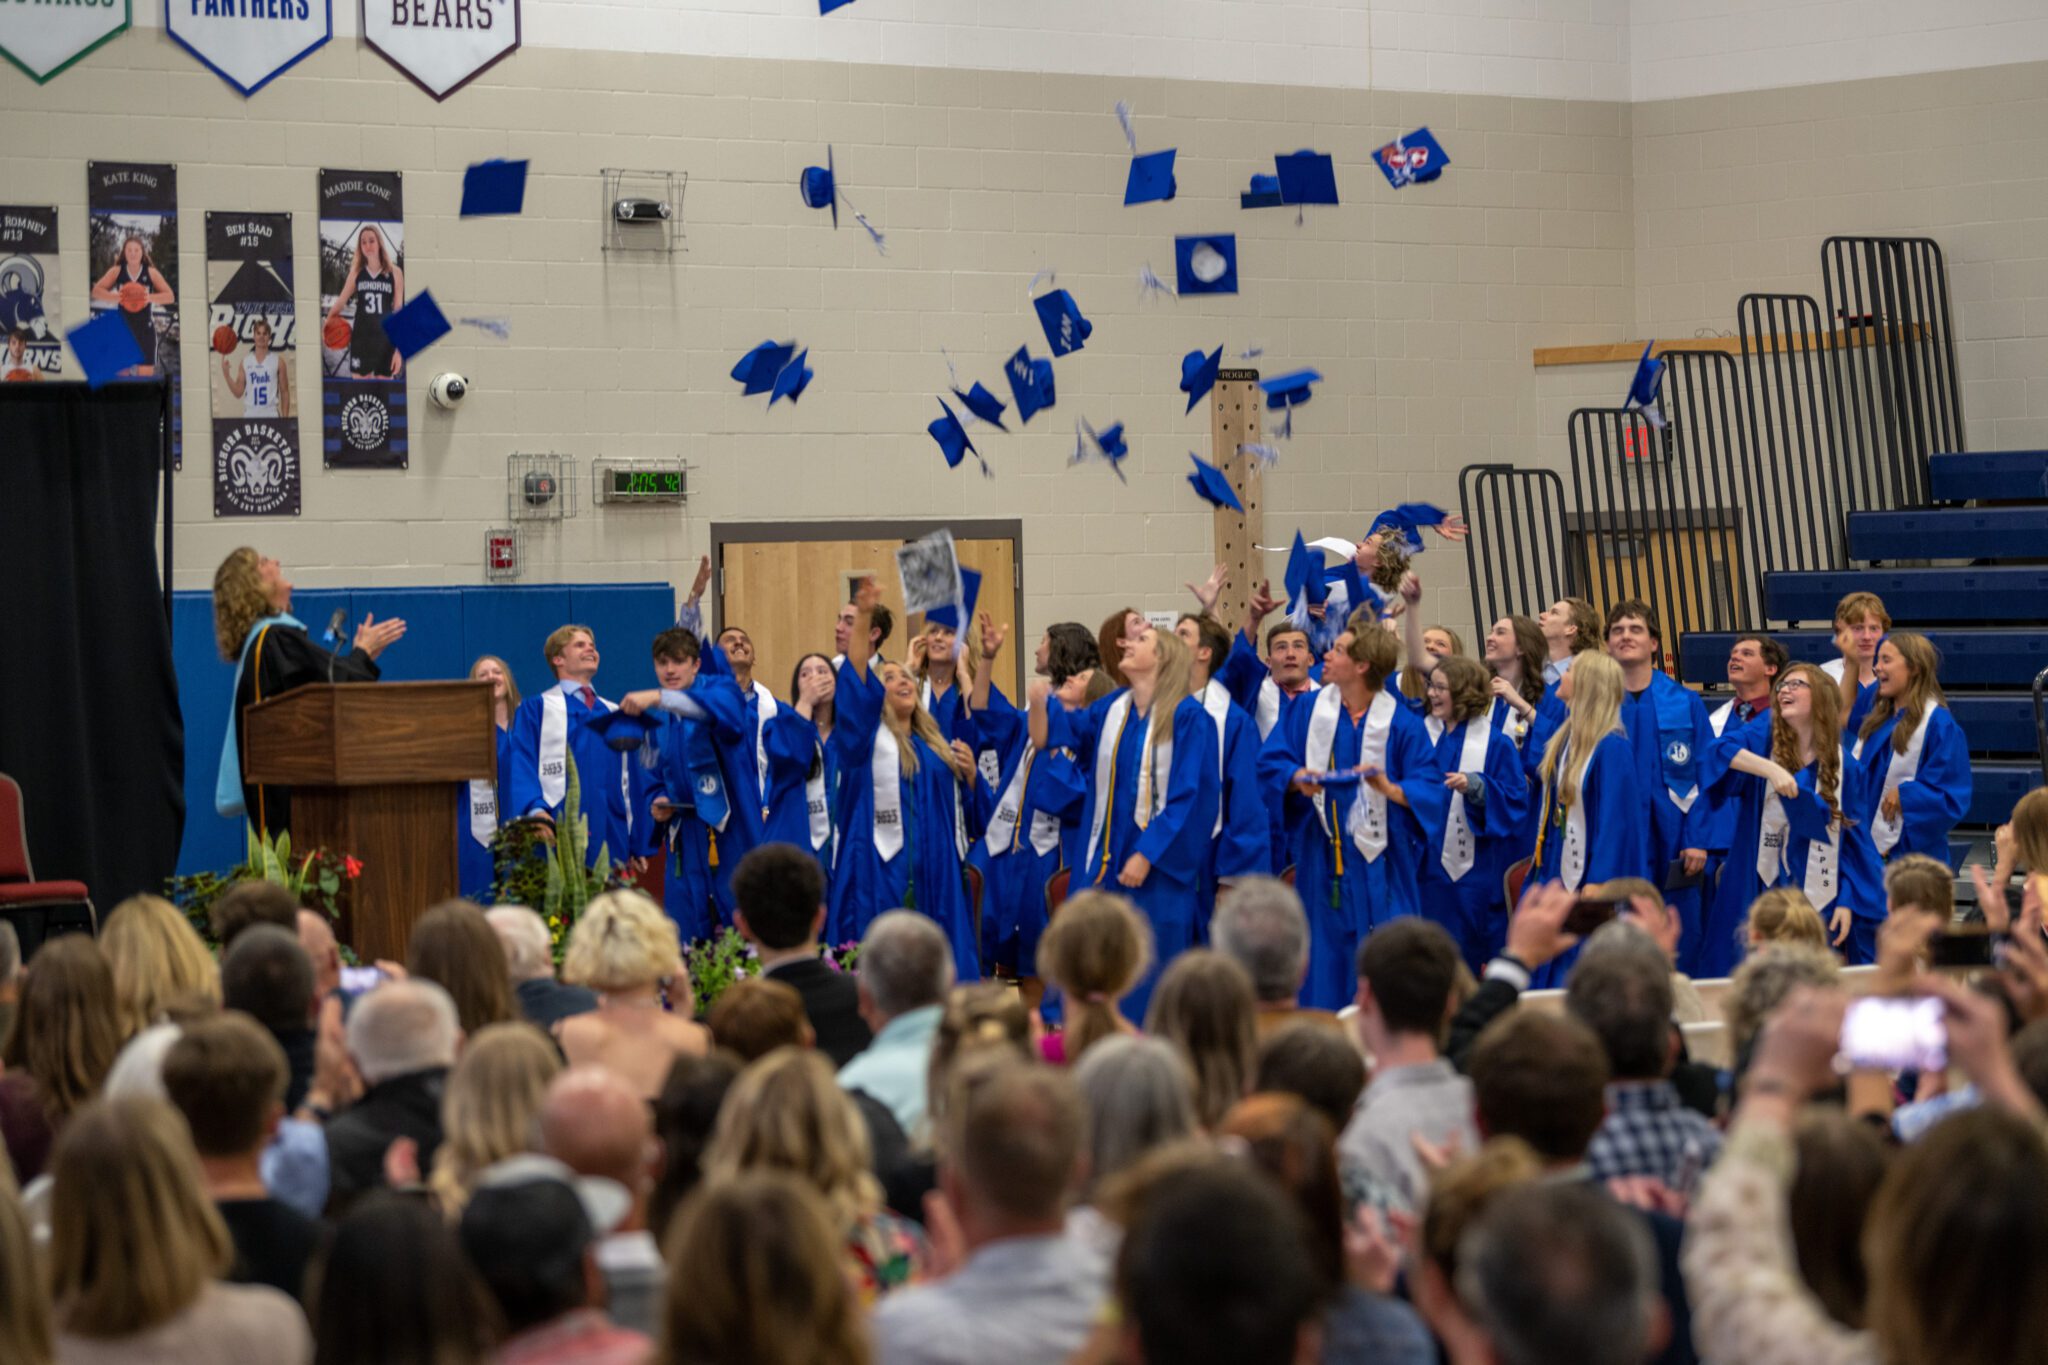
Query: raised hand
x=992, y=637
x=634, y=703
x=1453, y=528
x=702, y=580
x=1211, y=589
x=867, y=595
x=373, y=637
x=1262, y=605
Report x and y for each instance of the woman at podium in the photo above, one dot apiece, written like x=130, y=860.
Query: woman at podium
x=272, y=654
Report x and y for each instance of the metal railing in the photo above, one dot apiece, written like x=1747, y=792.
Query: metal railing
x=1792, y=485
x=1516, y=554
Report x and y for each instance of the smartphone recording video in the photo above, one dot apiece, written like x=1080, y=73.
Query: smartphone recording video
x=1896, y=1033
x=1590, y=912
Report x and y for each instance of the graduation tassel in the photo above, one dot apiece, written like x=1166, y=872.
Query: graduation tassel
x=1123, y=116
x=1150, y=284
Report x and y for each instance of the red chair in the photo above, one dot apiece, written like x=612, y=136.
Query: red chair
x=1511, y=882
x=1287, y=874
x=974, y=906
x=1056, y=892
x=37, y=910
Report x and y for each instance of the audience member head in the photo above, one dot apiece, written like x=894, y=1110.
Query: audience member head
x=252, y=902
x=157, y=960
x=316, y=936
x=778, y=892
x=133, y=1237
x=2030, y=1055
x=787, y=1113
x=523, y=934
x=1204, y=1006
x=905, y=964
x=1011, y=1147
x=985, y=1016
x=227, y=1076
x=1406, y=971
x=1783, y=914
x=1621, y=989
x=400, y=1028
x=1288, y=1140
x=393, y=1284
x=1542, y=1078
x=1215, y=1267
x=597, y=1125
x=684, y=1115
x=454, y=947
x=1260, y=925
x=624, y=942
x=24, y=1303
x=761, y=1254
x=1320, y=1065
x=491, y=1108
x=67, y=1029
x=1458, y=1194
x=1561, y=1271
x=528, y=1229
x=1916, y=882
x=1956, y=1242
x=1841, y=1163
x=267, y=976
x=1140, y=1094
x=2030, y=831
x=10, y=966
x=1763, y=981
x=1095, y=950
x=755, y=1016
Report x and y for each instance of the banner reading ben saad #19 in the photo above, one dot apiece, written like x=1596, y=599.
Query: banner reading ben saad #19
x=362, y=282
x=131, y=251
x=252, y=335
x=31, y=332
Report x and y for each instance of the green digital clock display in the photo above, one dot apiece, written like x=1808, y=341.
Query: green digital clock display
x=646, y=485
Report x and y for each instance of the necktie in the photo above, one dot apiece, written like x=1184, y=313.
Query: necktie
x=589, y=697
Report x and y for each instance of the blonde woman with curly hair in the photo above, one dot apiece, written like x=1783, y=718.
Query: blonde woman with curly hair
x=1793, y=789
x=903, y=785
x=787, y=1113
x=272, y=653
x=490, y=1107
x=625, y=948
x=159, y=961
x=1149, y=757
x=1487, y=814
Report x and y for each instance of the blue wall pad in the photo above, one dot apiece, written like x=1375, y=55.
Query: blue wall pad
x=1989, y=476
x=1950, y=533
x=1922, y=596
x=1996, y=787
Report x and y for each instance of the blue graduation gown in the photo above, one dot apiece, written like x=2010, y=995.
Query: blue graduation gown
x=740, y=760
x=1245, y=847
x=1175, y=841
x=1473, y=909
x=610, y=780
x=1617, y=833
x=926, y=871
x=1933, y=800
x=1013, y=877
x=795, y=750
x=475, y=874
x=697, y=757
x=1346, y=896
x=1668, y=732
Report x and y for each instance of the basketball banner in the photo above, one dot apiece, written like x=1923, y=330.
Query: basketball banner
x=362, y=282
x=131, y=257
x=442, y=45
x=252, y=341
x=31, y=325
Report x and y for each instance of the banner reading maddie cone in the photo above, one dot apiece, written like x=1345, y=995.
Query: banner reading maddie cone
x=441, y=44
x=362, y=282
x=249, y=43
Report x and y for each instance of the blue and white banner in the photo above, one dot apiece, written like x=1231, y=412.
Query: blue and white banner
x=131, y=257
x=441, y=45
x=252, y=350
x=362, y=282
x=31, y=324
x=249, y=43
x=43, y=39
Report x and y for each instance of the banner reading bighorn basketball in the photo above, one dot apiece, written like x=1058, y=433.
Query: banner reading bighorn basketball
x=362, y=282
x=131, y=257
x=31, y=325
x=252, y=342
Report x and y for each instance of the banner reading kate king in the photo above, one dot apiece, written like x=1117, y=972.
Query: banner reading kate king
x=131, y=257
x=362, y=282
x=31, y=340
x=252, y=339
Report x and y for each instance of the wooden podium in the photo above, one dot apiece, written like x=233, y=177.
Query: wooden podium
x=372, y=768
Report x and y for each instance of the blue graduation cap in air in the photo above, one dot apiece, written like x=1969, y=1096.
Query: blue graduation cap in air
x=416, y=326
x=493, y=187
x=1407, y=521
x=1307, y=177
x=1151, y=178
x=983, y=404
x=970, y=592
x=952, y=438
x=1198, y=374
x=1305, y=573
x=1263, y=194
x=1206, y=264
x=817, y=185
x=104, y=347
x=1642, y=387
x=792, y=381
x=1214, y=488
x=827, y=6
x=1031, y=383
x=1288, y=392
x=1412, y=160
x=1065, y=329
x=758, y=368
x=625, y=733
x=1357, y=591
x=1106, y=445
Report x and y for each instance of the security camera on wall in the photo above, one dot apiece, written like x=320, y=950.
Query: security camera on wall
x=448, y=390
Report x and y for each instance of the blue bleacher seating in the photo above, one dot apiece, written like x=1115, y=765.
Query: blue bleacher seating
x=2005, y=593
x=1989, y=476
x=1950, y=533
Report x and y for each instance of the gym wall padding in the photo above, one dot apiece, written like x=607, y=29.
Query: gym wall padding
x=446, y=628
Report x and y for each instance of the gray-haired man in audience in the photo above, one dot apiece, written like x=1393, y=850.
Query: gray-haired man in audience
x=529, y=952
x=402, y=1037
x=1555, y=1272
x=905, y=970
x=1260, y=924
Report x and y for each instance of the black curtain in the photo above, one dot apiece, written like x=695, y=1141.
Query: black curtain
x=90, y=725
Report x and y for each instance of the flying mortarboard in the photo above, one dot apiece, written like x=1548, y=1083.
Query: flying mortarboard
x=416, y=326
x=625, y=733
x=1263, y=194
x=952, y=438
x=1307, y=177
x=1151, y=178
x=1198, y=374
x=1206, y=264
x=819, y=188
x=1106, y=445
x=104, y=347
x=970, y=592
x=758, y=368
x=1305, y=573
x=1412, y=160
x=983, y=404
x=1065, y=329
x=1209, y=481
x=827, y=6
x=1288, y=392
x=1642, y=387
x=1031, y=383
x=792, y=381
x=493, y=187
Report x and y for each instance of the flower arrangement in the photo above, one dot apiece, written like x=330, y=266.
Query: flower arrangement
x=320, y=879
x=553, y=876
x=715, y=963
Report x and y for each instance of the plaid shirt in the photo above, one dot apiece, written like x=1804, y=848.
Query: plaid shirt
x=1648, y=1131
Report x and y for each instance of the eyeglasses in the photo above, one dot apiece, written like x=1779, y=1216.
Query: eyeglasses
x=1795, y=685
x=1444, y=688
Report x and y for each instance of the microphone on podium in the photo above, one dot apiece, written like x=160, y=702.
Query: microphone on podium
x=334, y=629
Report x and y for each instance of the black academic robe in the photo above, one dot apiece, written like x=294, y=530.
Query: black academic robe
x=282, y=658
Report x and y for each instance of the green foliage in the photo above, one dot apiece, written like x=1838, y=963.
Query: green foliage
x=549, y=876
x=319, y=880
x=715, y=963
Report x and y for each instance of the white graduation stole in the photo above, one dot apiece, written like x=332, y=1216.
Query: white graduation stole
x=1366, y=822
x=483, y=810
x=885, y=771
x=1268, y=706
x=554, y=749
x=1004, y=824
x=1572, y=860
x=820, y=810
x=1717, y=720
x=1216, y=701
x=1886, y=833
x=1820, y=879
x=1461, y=845
x=764, y=711
x=1155, y=772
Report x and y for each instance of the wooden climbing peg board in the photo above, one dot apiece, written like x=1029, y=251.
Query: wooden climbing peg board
x=1234, y=422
